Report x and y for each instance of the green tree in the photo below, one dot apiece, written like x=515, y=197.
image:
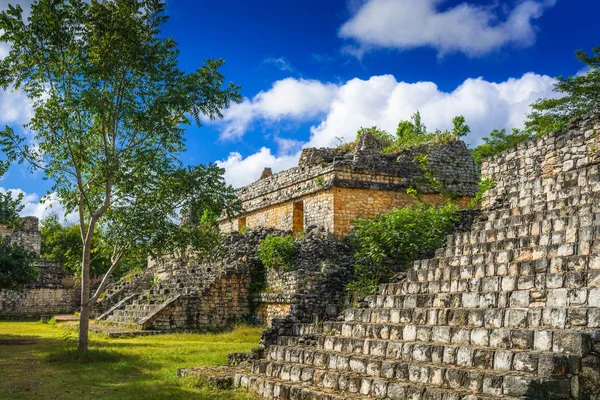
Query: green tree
x=110, y=104
x=498, y=141
x=459, y=127
x=63, y=245
x=579, y=95
x=414, y=127
x=10, y=208
x=17, y=265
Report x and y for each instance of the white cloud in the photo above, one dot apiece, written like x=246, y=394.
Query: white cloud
x=288, y=98
x=468, y=28
x=33, y=206
x=383, y=101
x=15, y=107
x=281, y=63
x=241, y=171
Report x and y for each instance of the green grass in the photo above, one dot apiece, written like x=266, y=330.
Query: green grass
x=39, y=361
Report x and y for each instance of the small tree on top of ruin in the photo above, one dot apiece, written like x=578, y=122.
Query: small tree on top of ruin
x=109, y=105
x=579, y=95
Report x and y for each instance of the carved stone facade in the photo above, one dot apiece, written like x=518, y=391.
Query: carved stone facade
x=330, y=188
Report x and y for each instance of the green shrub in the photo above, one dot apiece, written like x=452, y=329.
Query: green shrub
x=17, y=265
x=387, y=244
x=277, y=252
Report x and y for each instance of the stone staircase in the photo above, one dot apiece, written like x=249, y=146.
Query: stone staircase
x=508, y=310
x=181, y=300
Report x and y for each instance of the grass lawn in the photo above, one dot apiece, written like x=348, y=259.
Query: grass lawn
x=39, y=361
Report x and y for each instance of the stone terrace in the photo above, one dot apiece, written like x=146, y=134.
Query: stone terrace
x=509, y=310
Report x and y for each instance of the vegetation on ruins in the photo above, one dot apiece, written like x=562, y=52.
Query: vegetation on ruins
x=578, y=95
x=387, y=244
x=10, y=208
x=126, y=368
x=411, y=133
x=109, y=105
x=278, y=252
x=17, y=265
x=498, y=141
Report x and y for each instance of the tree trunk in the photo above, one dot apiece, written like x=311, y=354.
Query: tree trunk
x=84, y=316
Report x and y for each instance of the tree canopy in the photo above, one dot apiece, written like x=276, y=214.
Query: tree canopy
x=578, y=95
x=110, y=106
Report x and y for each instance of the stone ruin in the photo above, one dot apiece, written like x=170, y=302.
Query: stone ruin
x=332, y=187
x=509, y=309
x=54, y=292
x=320, y=197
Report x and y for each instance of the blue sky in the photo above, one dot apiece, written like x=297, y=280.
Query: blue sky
x=313, y=72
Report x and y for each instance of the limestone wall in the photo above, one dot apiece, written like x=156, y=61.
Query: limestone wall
x=570, y=151
x=28, y=303
x=27, y=234
x=352, y=203
x=54, y=292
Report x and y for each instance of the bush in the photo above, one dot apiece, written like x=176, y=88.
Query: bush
x=16, y=265
x=387, y=244
x=277, y=252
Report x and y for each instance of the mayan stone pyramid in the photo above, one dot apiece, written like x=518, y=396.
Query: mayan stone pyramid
x=508, y=310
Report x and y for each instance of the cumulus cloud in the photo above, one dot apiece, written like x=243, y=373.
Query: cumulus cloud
x=469, y=28
x=34, y=207
x=289, y=98
x=383, y=101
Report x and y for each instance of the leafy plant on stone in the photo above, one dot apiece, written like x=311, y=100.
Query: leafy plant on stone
x=17, y=265
x=387, y=244
x=110, y=103
x=278, y=252
x=413, y=132
x=576, y=95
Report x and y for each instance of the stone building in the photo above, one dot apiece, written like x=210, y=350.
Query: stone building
x=331, y=187
x=54, y=292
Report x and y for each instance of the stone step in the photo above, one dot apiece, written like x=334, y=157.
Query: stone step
x=473, y=297
x=542, y=363
x=375, y=379
x=559, y=341
x=284, y=390
x=568, y=271
x=517, y=318
x=483, y=255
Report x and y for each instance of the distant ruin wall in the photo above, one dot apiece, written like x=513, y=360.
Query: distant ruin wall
x=27, y=234
x=54, y=292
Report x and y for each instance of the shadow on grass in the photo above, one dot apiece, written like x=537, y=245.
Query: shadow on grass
x=51, y=367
